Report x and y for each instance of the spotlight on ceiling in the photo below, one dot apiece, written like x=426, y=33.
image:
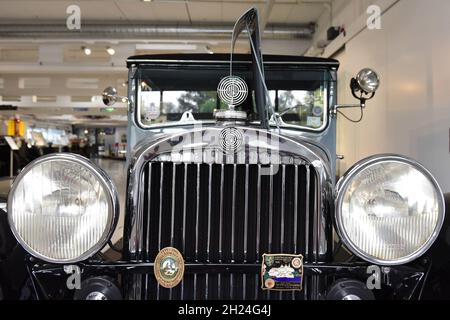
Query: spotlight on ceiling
x=87, y=51
x=110, y=51
x=209, y=50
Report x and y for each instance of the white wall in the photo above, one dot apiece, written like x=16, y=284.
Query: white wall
x=410, y=114
x=340, y=13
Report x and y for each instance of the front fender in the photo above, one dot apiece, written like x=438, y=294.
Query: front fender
x=13, y=272
x=439, y=279
x=7, y=240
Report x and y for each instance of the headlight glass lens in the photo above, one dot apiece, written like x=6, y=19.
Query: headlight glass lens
x=61, y=210
x=389, y=211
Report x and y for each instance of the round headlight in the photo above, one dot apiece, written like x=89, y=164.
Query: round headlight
x=389, y=209
x=62, y=208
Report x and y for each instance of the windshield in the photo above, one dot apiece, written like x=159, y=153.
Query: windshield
x=298, y=94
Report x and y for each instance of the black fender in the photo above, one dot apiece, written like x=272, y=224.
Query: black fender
x=438, y=284
x=7, y=240
x=13, y=269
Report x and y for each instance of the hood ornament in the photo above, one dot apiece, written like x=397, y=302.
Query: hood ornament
x=232, y=91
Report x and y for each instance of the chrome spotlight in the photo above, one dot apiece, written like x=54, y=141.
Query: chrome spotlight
x=110, y=96
x=366, y=81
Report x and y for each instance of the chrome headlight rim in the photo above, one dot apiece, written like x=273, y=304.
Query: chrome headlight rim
x=341, y=188
x=108, y=187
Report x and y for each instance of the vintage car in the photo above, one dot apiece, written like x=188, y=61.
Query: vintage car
x=231, y=194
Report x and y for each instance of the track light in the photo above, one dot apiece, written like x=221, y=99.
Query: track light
x=110, y=51
x=209, y=50
x=87, y=51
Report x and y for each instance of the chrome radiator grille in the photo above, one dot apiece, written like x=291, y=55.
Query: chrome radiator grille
x=226, y=214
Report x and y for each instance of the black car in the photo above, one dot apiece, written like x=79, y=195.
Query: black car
x=231, y=194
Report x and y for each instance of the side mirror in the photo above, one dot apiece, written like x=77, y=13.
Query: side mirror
x=364, y=85
x=110, y=96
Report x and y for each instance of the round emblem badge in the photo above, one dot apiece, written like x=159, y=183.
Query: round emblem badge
x=270, y=283
x=296, y=263
x=169, y=267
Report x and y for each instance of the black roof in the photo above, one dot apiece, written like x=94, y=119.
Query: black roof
x=219, y=58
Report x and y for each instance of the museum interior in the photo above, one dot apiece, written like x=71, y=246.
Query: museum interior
x=90, y=88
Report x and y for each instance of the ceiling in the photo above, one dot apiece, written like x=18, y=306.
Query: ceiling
x=157, y=11
x=47, y=75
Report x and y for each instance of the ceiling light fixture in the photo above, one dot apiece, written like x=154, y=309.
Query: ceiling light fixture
x=166, y=46
x=209, y=50
x=87, y=51
x=110, y=51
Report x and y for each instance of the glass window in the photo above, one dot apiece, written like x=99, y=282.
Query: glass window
x=301, y=107
x=164, y=94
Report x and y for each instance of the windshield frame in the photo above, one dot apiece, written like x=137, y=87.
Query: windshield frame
x=327, y=88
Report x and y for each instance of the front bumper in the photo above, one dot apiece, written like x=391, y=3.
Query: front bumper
x=49, y=281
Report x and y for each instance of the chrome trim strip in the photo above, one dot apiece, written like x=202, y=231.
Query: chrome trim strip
x=140, y=225
x=149, y=195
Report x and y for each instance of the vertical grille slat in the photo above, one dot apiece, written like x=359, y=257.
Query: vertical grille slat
x=161, y=183
x=233, y=215
x=172, y=219
x=197, y=212
x=295, y=207
x=246, y=200
x=306, y=226
x=258, y=214
x=222, y=213
x=222, y=170
x=208, y=247
x=283, y=205
x=184, y=205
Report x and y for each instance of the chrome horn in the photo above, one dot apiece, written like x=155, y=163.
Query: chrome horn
x=110, y=96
